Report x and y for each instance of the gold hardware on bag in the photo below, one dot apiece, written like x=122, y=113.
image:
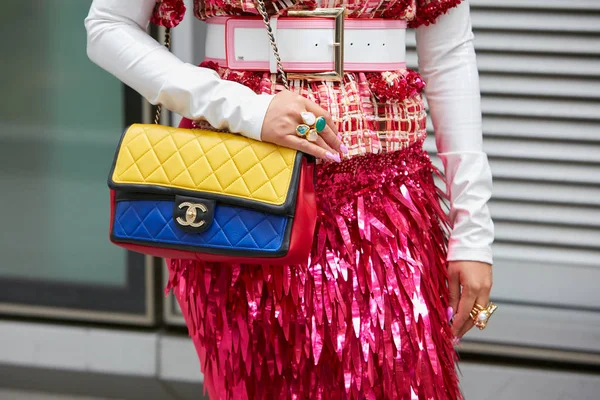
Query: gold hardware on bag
x=191, y=214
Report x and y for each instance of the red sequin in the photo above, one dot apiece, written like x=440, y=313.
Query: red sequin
x=168, y=13
x=366, y=318
x=250, y=79
x=395, y=86
x=429, y=10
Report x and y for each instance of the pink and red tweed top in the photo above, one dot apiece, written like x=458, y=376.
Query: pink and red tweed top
x=375, y=111
x=170, y=13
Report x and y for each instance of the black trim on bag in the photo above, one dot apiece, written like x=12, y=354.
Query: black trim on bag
x=133, y=196
x=287, y=208
x=137, y=196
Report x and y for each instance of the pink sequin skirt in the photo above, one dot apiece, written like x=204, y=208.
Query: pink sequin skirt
x=366, y=319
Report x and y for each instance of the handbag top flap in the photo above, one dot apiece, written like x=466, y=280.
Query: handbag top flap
x=223, y=166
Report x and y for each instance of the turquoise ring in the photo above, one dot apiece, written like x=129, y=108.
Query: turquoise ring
x=302, y=130
x=311, y=126
x=320, y=124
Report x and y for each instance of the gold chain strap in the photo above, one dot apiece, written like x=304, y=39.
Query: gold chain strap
x=263, y=12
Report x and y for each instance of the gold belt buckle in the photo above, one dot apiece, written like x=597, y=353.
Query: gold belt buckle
x=338, y=14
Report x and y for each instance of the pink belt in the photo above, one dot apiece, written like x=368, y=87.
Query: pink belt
x=308, y=44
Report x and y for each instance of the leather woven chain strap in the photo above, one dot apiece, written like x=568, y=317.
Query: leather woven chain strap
x=265, y=16
x=168, y=46
x=263, y=12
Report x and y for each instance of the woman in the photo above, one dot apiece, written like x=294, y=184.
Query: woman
x=385, y=296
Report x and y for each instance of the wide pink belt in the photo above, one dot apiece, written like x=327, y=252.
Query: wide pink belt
x=307, y=44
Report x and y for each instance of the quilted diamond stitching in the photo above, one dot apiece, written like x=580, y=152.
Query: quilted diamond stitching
x=248, y=230
x=145, y=158
x=220, y=226
x=142, y=215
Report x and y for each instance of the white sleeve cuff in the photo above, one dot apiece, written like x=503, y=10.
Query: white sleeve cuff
x=255, y=111
x=469, y=187
x=460, y=253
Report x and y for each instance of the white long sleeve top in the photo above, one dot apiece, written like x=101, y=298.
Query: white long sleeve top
x=118, y=42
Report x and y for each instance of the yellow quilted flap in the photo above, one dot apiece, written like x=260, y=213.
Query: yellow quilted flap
x=204, y=161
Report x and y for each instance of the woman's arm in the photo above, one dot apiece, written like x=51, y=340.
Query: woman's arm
x=447, y=62
x=118, y=42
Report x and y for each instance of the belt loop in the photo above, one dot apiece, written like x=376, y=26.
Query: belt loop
x=272, y=60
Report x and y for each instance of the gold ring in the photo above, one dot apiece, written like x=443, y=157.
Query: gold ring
x=308, y=118
x=306, y=132
x=480, y=314
x=302, y=130
x=311, y=126
x=320, y=124
x=317, y=123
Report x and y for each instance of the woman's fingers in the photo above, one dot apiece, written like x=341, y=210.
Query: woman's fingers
x=330, y=133
x=482, y=298
x=476, y=281
x=283, y=117
x=454, y=291
x=467, y=300
x=467, y=326
x=333, y=155
x=331, y=139
x=312, y=148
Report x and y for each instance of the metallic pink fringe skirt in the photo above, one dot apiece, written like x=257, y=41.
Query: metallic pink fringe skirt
x=366, y=319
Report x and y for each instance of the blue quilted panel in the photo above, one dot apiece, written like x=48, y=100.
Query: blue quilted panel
x=232, y=227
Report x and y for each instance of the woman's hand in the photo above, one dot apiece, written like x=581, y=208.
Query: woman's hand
x=475, y=278
x=282, y=118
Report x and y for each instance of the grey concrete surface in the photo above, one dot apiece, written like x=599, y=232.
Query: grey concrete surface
x=61, y=362
x=6, y=394
x=491, y=382
x=479, y=382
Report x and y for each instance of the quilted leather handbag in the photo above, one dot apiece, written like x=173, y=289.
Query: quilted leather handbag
x=211, y=196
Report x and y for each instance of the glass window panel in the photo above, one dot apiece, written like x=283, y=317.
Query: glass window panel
x=60, y=119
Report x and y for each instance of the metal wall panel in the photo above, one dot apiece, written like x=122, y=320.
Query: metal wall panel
x=540, y=81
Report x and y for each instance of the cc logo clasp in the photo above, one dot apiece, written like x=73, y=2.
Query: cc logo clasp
x=191, y=214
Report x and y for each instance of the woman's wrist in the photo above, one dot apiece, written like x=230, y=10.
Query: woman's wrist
x=456, y=252
x=254, y=111
x=198, y=93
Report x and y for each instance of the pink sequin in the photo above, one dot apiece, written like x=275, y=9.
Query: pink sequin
x=303, y=332
x=366, y=318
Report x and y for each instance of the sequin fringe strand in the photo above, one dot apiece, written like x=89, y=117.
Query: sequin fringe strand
x=366, y=319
